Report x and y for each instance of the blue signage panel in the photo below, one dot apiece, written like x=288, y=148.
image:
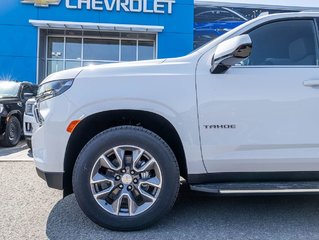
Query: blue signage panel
x=19, y=39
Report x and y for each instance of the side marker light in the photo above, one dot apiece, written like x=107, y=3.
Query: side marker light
x=72, y=126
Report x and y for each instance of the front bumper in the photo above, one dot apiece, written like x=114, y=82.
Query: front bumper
x=29, y=125
x=2, y=125
x=54, y=180
x=49, y=140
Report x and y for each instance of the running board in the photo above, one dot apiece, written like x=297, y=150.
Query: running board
x=258, y=187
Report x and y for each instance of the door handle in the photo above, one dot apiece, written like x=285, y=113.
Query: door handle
x=311, y=83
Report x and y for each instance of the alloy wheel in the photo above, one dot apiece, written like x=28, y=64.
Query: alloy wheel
x=126, y=180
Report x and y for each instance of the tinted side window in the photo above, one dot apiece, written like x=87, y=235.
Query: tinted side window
x=290, y=42
x=27, y=89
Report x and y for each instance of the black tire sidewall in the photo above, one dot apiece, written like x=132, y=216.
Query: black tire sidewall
x=6, y=141
x=126, y=136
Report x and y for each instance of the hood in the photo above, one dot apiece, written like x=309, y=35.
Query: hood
x=73, y=73
x=8, y=99
x=150, y=68
x=66, y=74
x=125, y=64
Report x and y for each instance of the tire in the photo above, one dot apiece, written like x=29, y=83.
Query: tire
x=12, y=133
x=156, y=187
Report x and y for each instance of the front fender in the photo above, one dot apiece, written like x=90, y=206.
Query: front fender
x=185, y=123
x=16, y=113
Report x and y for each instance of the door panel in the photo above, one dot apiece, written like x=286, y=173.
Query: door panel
x=276, y=120
x=261, y=118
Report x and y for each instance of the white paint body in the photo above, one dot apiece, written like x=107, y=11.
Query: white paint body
x=274, y=112
x=28, y=119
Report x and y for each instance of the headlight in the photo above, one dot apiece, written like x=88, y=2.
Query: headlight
x=28, y=109
x=1, y=108
x=53, y=89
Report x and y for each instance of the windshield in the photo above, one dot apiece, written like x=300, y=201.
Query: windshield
x=9, y=89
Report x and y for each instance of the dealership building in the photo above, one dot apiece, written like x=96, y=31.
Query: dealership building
x=39, y=37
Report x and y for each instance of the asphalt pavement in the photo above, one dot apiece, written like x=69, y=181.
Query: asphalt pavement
x=20, y=153
x=31, y=210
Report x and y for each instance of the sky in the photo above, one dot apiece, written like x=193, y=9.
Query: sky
x=295, y=3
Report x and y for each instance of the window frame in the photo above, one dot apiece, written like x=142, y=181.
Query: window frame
x=316, y=32
x=22, y=90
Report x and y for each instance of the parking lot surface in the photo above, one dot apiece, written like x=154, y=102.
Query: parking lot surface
x=19, y=153
x=30, y=210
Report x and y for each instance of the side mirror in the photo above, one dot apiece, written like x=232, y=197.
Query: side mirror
x=231, y=52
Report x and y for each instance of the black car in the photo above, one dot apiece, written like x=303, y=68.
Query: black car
x=13, y=96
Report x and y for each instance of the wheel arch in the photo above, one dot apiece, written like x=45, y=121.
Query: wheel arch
x=4, y=135
x=98, y=122
x=17, y=114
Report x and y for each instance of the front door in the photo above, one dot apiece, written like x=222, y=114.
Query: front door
x=263, y=115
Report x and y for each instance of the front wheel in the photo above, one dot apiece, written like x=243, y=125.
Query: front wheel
x=126, y=178
x=12, y=133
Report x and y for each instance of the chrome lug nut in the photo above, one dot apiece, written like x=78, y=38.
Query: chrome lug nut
x=132, y=172
x=135, y=180
x=123, y=170
x=121, y=186
x=117, y=178
x=129, y=187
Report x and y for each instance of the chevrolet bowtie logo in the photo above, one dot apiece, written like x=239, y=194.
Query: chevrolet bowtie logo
x=42, y=3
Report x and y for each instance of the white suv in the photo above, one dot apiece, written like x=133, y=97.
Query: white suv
x=236, y=116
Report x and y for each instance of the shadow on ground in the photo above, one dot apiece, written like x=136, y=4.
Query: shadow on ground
x=198, y=216
x=30, y=154
x=5, y=151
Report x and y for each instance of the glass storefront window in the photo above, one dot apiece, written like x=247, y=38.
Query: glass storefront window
x=73, y=33
x=55, y=66
x=83, y=48
x=128, y=50
x=73, y=48
x=91, y=63
x=147, y=36
x=101, y=49
x=145, y=50
x=56, y=48
x=109, y=34
x=72, y=64
x=129, y=35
